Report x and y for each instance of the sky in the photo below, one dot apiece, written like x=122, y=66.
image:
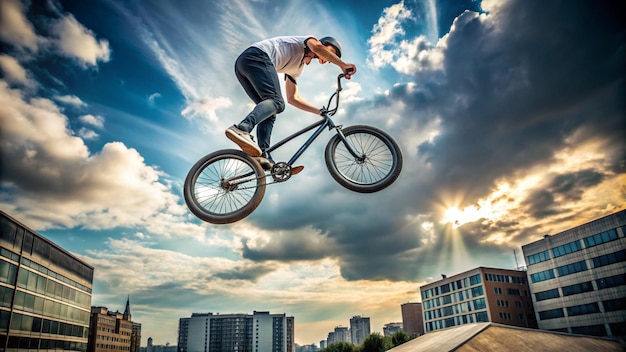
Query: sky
x=510, y=116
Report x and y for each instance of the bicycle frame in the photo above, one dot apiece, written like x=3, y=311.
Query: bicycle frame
x=325, y=122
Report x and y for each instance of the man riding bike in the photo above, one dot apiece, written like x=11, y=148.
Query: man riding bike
x=256, y=69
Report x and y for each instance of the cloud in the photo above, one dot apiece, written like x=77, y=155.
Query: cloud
x=152, y=97
x=86, y=133
x=91, y=120
x=15, y=29
x=70, y=100
x=74, y=187
x=385, y=32
x=14, y=73
x=75, y=41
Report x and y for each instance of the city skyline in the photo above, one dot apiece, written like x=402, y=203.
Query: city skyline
x=509, y=114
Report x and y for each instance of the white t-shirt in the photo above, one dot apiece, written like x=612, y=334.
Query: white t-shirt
x=285, y=52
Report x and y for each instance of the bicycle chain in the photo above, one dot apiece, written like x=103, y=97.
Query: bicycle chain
x=280, y=169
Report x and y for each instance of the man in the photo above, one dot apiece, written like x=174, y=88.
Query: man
x=256, y=69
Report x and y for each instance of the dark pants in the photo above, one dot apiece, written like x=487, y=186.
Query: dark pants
x=259, y=79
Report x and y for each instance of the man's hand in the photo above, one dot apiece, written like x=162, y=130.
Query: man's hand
x=348, y=70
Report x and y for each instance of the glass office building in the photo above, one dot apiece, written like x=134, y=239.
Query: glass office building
x=578, y=278
x=45, y=292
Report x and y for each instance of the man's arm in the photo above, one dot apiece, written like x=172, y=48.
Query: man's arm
x=293, y=98
x=327, y=54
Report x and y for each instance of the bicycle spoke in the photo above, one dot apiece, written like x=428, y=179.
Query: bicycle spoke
x=378, y=159
x=213, y=197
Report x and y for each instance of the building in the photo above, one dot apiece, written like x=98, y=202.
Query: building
x=359, y=329
x=183, y=333
x=340, y=334
x=45, y=292
x=578, y=278
x=412, y=318
x=261, y=331
x=478, y=295
x=158, y=348
x=392, y=328
x=113, y=331
x=307, y=348
x=135, y=338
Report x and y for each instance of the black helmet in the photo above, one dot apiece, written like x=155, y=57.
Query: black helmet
x=332, y=42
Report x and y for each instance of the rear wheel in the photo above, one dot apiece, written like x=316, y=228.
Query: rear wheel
x=378, y=165
x=224, y=187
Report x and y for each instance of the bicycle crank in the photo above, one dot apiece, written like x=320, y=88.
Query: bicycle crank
x=281, y=172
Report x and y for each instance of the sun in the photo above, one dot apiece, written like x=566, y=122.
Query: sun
x=458, y=218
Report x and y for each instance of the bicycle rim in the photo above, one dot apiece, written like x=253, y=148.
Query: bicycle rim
x=210, y=197
x=379, y=168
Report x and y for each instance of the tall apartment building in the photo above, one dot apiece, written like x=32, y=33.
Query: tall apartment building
x=578, y=278
x=259, y=332
x=45, y=292
x=413, y=318
x=183, y=333
x=113, y=331
x=391, y=328
x=359, y=328
x=478, y=295
x=340, y=334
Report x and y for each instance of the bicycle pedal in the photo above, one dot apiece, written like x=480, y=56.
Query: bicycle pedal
x=296, y=169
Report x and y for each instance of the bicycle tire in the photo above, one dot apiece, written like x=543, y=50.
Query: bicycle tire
x=382, y=164
x=216, y=202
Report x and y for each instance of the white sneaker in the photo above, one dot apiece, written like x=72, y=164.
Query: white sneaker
x=243, y=140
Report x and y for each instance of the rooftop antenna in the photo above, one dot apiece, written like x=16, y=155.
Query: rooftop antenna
x=516, y=263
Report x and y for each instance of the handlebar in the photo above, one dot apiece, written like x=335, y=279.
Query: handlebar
x=333, y=111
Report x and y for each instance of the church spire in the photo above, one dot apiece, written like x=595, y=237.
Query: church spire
x=127, y=310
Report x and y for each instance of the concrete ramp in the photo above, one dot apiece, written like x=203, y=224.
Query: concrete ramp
x=487, y=337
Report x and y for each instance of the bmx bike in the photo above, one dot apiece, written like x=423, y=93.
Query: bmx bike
x=227, y=185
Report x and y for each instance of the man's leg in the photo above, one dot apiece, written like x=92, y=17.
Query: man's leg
x=258, y=78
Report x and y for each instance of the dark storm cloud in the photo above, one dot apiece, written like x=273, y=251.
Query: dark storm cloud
x=288, y=247
x=561, y=190
x=249, y=273
x=516, y=85
x=545, y=71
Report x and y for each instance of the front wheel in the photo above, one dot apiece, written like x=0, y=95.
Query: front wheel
x=377, y=166
x=224, y=187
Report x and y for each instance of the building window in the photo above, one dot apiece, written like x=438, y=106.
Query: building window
x=613, y=305
x=608, y=259
x=567, y=248
x=594, y=330
x=497, y=290
x=518, y=280
x=542, y=276
x=538, y=258
x=577, y=288
x=475, y=279
x=479, y=304
x=482, y=317
x=600, y=238
x=512, y=292
x=572, y=268
x=551, y=314
x=549, y=294
x=477, y=291
x=611, y=281
x=583, y=309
